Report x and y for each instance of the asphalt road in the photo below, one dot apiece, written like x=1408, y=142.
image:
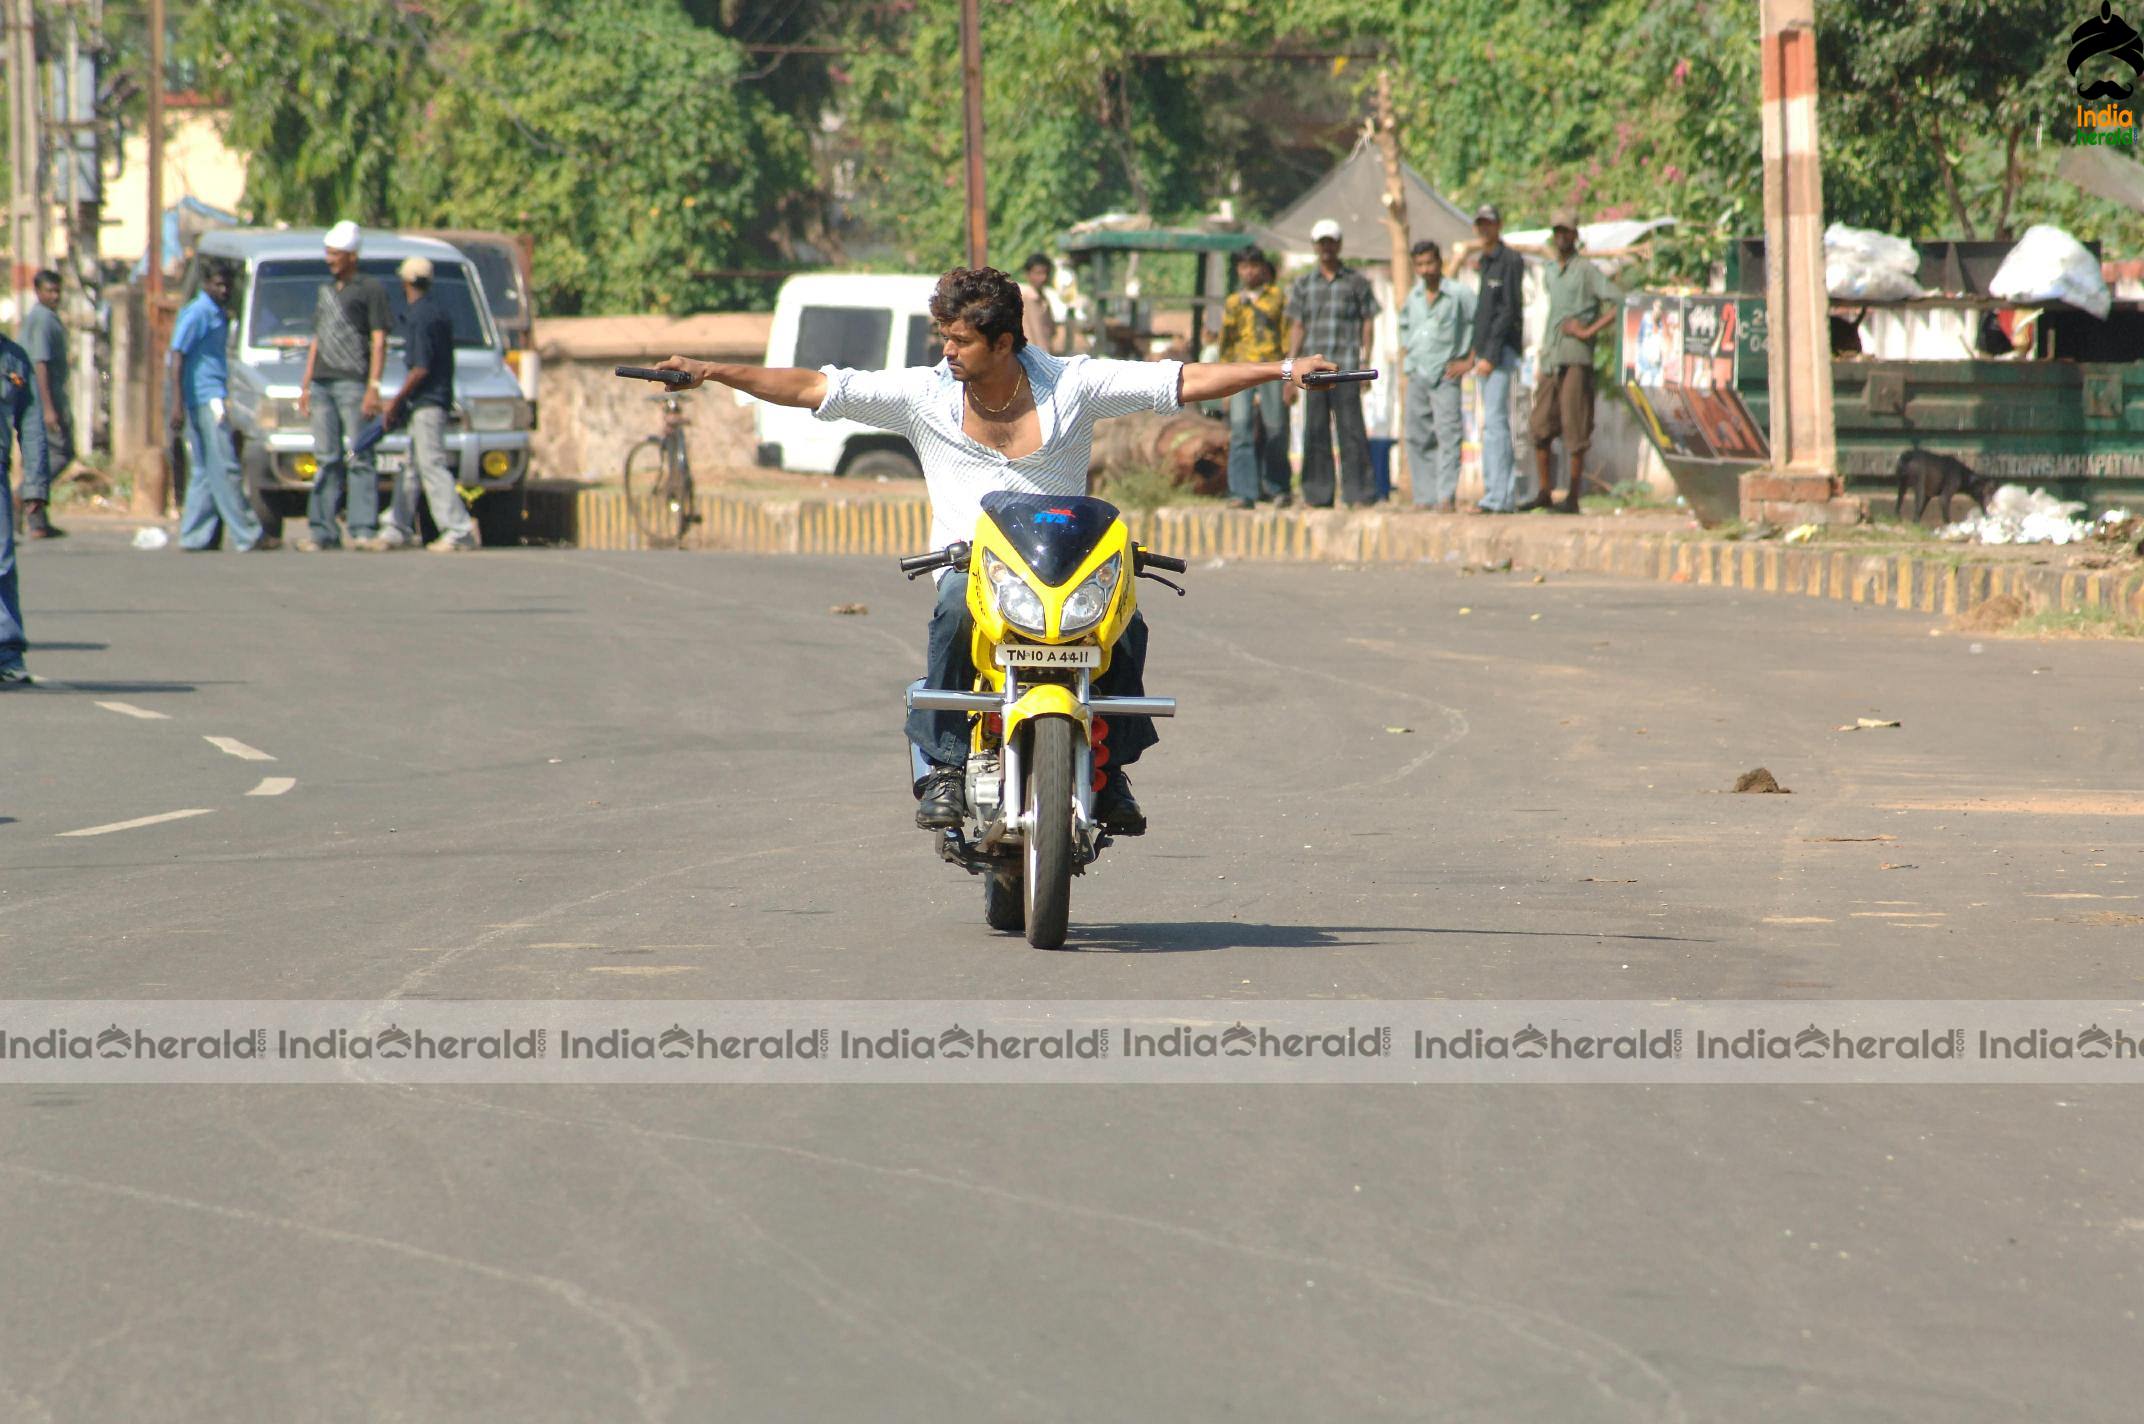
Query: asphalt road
x=539, y=774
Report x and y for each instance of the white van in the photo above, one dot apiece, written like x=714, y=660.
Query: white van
x=867, y=321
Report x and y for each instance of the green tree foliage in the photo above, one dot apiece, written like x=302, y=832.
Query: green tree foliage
x=617, y=132
x=316, y=96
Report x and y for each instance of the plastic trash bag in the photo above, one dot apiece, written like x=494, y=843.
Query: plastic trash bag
x=2048, y=265
x=2020, y=516
x=151, y=538
x=1860, y=265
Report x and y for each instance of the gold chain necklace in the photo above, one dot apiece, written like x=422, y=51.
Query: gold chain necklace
x=1000, y=409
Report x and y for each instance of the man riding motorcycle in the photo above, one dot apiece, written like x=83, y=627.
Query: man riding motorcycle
x=997, y=414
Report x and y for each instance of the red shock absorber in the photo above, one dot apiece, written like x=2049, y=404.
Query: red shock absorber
x=1100, y=739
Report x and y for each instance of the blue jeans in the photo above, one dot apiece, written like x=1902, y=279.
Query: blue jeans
x=338, y=414
x=12, y=641
x=1497, y=457
x=212, y=492
x=1434, y=433
x=942, y=737
x=1258, y=443
x=59, y=454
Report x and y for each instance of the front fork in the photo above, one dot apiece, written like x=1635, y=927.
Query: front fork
x=1013, y=817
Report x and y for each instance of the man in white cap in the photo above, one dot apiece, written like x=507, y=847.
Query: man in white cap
x=426, y=396
x=341, y=391
x=1332, y=310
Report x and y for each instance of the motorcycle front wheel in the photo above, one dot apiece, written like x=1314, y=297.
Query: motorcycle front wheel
x=1049, y=831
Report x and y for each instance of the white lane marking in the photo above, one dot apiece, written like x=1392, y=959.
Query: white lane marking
x=238, y=749
x=128, y=709
x=140, y=821
x=273, y=786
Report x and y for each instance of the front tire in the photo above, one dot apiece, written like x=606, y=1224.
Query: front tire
x=1049, y=832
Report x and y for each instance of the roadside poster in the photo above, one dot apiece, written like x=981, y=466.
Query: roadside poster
x=1679, y=376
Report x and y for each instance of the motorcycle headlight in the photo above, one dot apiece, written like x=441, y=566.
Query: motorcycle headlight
x=1019, y=604
x=1090, y=600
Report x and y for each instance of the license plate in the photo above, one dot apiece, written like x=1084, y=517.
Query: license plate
x=1025, y=655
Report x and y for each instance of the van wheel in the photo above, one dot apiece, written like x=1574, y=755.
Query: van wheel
x=893, y=464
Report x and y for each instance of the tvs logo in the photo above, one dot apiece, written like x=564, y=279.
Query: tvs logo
x=1053, y=516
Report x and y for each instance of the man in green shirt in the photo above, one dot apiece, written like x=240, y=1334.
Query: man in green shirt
x=1436, y=325
x=1581, y=303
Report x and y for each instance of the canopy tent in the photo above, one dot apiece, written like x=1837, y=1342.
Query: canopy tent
x=1353, y=195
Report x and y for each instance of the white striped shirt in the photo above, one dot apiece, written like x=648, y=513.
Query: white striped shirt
x=925, y=404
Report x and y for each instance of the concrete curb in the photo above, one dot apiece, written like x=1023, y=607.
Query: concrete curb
x=1944, y=583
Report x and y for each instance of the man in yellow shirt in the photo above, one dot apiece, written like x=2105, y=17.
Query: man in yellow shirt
x=1254, y=327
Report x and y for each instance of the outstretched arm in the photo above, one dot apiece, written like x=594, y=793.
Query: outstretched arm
x=1217, y=380
x=776, y=385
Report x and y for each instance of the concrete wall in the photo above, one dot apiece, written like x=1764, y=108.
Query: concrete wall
x=588, y=418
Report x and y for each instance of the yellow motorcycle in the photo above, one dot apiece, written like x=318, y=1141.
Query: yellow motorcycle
x=1050, y=593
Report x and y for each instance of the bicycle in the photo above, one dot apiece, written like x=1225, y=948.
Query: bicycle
x=658, y=480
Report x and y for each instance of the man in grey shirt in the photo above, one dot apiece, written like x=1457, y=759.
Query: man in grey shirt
x=341, y=392
x=45, y=338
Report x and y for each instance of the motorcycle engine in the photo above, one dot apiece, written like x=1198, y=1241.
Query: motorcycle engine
x=986, y=785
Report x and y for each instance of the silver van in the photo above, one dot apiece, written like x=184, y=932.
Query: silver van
x=276, y=278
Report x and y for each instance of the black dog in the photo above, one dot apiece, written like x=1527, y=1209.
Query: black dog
x=1925, y=476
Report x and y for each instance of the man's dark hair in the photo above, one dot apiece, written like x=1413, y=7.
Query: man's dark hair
x=1425, y=245
x=219, y=269
x=1038, y=259
x=48, y=277
x=984, y=298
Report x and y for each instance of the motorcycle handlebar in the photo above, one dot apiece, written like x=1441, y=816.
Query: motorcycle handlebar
x=1162, y=561
x=672, y=379
x=952, y=556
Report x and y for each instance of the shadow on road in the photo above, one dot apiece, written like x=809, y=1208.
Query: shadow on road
x=39, y=645
x=1192, y=935
x=71, y=685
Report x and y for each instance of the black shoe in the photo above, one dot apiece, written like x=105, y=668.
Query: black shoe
x=1283, y=501
x=1546, y=499
x=36, y=524
x=942, y=798
x=1115, y=808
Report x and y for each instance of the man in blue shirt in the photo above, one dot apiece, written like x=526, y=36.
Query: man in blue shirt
x=20, y=417
x=1436, y=328
x=427, y=395
x=197, y=386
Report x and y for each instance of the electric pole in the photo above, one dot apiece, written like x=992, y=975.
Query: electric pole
x=26, y=208
x=154, y=486
x=971, y=82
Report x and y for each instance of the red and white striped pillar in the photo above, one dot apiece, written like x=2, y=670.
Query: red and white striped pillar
x=1803, y=455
